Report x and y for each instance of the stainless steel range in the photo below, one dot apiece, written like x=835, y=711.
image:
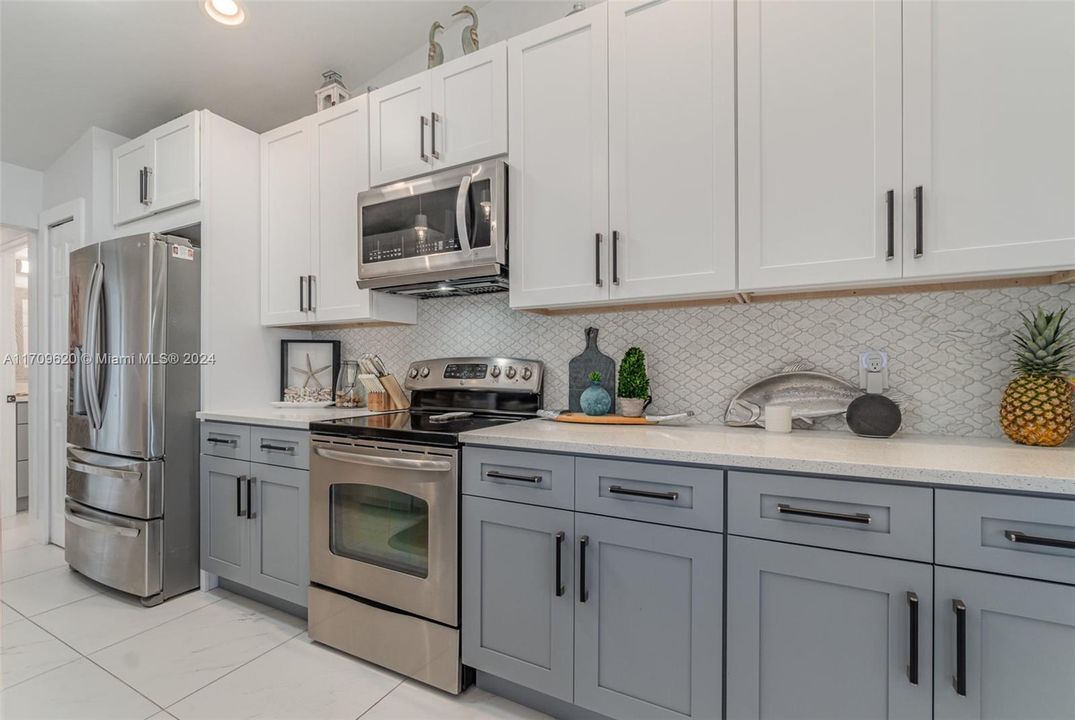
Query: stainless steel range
x=384, y=515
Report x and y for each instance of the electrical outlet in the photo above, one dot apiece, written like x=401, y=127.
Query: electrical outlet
x=873, y=371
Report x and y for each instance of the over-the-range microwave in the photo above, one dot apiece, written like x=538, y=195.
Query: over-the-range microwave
x=438, y=235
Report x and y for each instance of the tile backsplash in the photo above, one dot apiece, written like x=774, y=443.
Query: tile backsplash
x=948, y=351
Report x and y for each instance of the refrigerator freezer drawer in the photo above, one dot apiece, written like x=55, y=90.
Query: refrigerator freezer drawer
x=116, y=485
x=122, y=553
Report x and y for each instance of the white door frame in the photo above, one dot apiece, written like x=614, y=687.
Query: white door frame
x=8, y=483
x=41, y=502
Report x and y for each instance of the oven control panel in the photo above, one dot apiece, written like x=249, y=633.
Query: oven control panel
x=476, y=373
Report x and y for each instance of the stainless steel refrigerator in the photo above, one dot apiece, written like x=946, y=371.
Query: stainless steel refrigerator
x=131, y=512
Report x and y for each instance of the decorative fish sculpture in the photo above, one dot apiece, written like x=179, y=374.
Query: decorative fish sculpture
x=809, y=393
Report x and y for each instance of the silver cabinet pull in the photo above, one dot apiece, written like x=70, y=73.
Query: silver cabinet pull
x=615, y=257
x=422, y=122
x=116, y=473
x=310, y=305
x=433, y=118
x=85, y=522
x=387, y=462
x=618, y=490
x=267, y=447
x=142, y=185
x=230, y=442
x=1017, y=537
x=302, y=293
x=149, y=187
x=860, y=518
x=597, y=259
x=497, y=475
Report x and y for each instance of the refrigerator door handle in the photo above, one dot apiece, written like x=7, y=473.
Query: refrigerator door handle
x=91, y=328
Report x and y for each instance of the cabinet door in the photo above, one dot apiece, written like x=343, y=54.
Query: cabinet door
x=819, y=142
x=340, y=172
x=225, y=533
x=517, y=615
x=280, y=548
x=647, y=619
x=988, y=117
x=470, y=107
x=129, y=195
x=285, y=223
x=176, y=168
x=815, y=633
x=558, y=161
x=399, y=130
x=672, y=147
x=1018, y=647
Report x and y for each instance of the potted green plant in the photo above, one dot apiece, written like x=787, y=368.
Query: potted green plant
x=633, y=385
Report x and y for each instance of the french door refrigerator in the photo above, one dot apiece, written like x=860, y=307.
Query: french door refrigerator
x=131, y=511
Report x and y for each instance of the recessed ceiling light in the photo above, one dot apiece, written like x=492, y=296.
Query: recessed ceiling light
x=225, y=12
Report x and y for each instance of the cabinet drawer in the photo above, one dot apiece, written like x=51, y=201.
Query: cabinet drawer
x=225, y=440
x=669, y=494
x=535, y=478
x=864, y=517
x=276, y=446
x=1032, y=537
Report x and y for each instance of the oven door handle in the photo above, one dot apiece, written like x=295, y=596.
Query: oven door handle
x=386, y=462
x=461, y=213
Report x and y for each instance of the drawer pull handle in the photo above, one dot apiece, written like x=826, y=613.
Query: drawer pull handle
x=230, y=442
x=618, y=490
x=559, y=564
x=584, y=594
x=860, y=518
x=497, y=475
x=912, y=608
x=277, y=448
x=108, y=528
x=1017, y=537
x=960, y=680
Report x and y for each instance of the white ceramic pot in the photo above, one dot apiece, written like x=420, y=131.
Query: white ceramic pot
x=631, y=407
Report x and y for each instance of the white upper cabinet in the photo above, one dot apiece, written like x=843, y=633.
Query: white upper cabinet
x=285, y=223
x=158, y=171
x=451, y=115
x=819, y=142
x=311, y=173
x=558, y=161
x=399, y=130
x=671, y=148
x=989, y=137
x=469, y=118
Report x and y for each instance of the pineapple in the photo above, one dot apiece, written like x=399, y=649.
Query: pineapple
x=1036, y=407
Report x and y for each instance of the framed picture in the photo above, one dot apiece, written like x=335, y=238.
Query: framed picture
x=308, y=369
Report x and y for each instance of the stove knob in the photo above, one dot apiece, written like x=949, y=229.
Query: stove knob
x=510, y=372
x=424, y=372
x=495, y=372
x=413, y=373
x=527, y=373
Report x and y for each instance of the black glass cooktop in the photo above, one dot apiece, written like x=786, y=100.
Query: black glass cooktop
x=431, y=427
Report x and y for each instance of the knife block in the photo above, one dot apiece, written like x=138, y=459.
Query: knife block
x=397, y=398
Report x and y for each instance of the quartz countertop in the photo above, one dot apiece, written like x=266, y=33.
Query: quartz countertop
x=297, y=418
x=987, y=463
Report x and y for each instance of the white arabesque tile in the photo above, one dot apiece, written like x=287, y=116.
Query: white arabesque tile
x=77, y=691
x=26, y=651
x=170, y=661
x=299, y=679
x=44, y=591
x=413, y=701
x=29, y=560
x=101, y=620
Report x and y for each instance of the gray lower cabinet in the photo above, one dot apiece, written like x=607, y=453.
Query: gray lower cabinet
x=1005, y=647
x=647, y=619
x=818, y=633
x=255, y=526
x=517, y=614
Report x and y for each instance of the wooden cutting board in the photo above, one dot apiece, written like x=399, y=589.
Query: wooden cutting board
x=573, y=417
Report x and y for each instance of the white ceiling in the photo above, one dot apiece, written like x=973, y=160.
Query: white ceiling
x=129, y=66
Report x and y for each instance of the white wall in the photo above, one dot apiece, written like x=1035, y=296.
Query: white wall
x=85, y=170
x=20, y=195
x=497, y=20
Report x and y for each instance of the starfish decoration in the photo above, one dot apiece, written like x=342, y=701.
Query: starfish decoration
x=310, y=374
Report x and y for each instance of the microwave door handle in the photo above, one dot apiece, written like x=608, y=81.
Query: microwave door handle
x=386, y=462
x=461, y=213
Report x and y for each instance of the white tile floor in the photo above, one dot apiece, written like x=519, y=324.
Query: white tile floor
x=72, y=649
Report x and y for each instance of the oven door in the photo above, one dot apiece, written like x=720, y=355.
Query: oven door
x=445, y=226
x=384, y=524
